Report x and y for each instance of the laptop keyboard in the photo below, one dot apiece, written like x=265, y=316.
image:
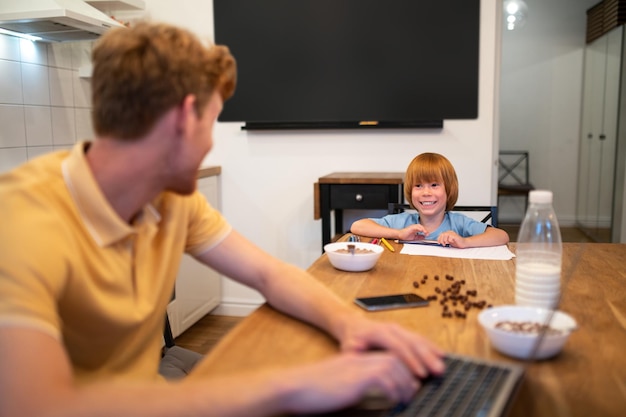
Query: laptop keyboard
x=468, y=389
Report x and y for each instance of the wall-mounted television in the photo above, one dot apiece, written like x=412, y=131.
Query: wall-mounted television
x=351, y=63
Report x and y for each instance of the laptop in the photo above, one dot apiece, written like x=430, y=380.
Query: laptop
x=470, y=387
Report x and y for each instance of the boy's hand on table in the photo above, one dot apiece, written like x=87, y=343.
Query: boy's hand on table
x=413, y=232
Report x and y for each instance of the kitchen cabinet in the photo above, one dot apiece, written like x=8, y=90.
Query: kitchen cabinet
x=599, y=135
x=198, y=288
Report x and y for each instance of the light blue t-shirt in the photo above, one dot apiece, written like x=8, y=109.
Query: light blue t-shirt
x=459, y=223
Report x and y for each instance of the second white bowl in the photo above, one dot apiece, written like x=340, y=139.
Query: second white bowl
x=523, y=345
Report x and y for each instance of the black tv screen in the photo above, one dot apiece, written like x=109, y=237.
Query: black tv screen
x=351, y=63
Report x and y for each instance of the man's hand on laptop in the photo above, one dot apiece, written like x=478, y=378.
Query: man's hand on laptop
x=419, y=354
x=347, y=379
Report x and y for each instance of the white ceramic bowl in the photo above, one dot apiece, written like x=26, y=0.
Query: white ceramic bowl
x=365, y=257
x=522, y=345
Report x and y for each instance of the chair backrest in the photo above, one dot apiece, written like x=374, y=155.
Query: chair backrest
x=513, y=167
x=176, y=362
x=485, y=214
x=168, y=336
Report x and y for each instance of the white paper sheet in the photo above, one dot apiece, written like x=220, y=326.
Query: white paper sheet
x=491, y=253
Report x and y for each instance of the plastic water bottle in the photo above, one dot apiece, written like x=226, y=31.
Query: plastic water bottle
x=539, y=254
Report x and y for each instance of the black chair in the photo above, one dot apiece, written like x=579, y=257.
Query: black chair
x=491, y=212
x=513, y=175
x=176, y=362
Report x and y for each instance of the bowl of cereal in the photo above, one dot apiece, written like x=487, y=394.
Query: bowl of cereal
x=526, y=332
x=353, y=256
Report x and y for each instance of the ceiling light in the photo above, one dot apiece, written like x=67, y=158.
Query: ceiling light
x=515, y=13
x=20, y=35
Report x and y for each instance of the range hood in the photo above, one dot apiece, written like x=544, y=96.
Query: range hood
x=54, y=20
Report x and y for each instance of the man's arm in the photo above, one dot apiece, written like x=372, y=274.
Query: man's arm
x=295, y=292
x=36, y=380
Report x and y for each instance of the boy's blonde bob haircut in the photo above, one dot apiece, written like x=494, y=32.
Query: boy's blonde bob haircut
x=432, y=167
x=142, y=72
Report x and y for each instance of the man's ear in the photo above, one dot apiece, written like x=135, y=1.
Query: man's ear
x=186, y=113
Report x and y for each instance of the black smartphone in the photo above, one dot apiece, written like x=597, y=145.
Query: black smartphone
x=387, y=302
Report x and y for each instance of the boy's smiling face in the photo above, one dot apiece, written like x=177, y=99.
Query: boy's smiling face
x=429, y=198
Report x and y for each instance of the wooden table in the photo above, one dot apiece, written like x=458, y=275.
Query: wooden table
x=588, y=378
x=354, y=191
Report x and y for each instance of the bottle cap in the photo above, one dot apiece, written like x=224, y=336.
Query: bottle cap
x=540, y=196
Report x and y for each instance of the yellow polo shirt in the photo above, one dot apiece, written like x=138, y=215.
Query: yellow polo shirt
x=69, y=266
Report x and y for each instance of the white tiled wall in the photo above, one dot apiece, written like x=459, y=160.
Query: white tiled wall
x=44, y=104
